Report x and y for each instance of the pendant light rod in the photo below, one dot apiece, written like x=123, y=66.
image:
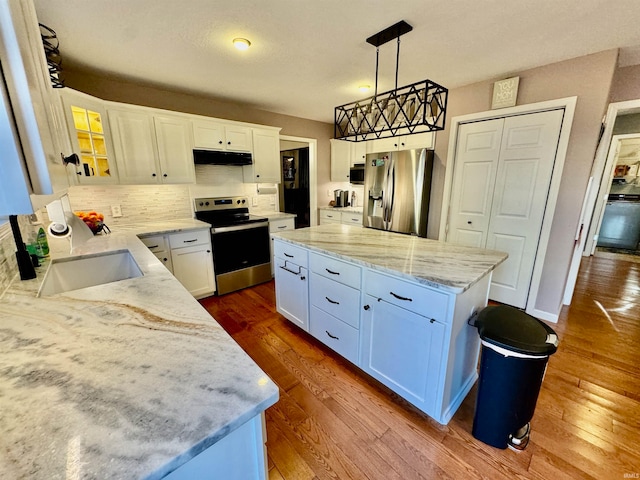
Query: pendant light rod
x=397, y=62
x=375, y=93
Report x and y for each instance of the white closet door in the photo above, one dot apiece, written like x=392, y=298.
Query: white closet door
x=501, y=179
x=474, y=176
x=527, y=155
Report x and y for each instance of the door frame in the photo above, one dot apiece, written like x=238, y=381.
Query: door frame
x=569, y=106
x=313, y=174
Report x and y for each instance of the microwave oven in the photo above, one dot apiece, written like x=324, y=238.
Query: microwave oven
x=356, y=174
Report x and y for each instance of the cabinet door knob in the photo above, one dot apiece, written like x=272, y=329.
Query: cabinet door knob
x=366, y=307
x=303, y=278
x=228, y=143
x=469, y=222
x=208, y=251
x=164, y=175
x=220, y=142
x=153, y=174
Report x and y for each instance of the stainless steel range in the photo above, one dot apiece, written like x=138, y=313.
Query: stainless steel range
x=240, y=241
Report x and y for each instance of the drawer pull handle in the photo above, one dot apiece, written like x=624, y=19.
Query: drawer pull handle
x=406, y=299
x=287, y=255
x=331, y=336
x=332, y=301
x=282, y=226
x=332, y=272
x=366, y=307
x=431, y=320
x=153, y=246
x=190, y=241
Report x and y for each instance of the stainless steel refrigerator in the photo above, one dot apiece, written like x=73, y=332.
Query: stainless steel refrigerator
x=397, y=186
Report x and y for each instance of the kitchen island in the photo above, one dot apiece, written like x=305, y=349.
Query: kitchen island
x=130, y=379
x=397, y=306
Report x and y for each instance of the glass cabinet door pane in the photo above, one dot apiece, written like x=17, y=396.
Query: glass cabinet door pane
x=84, y=141
x=99, y=147
x=103, y=167
x=80, y=118
x=95, y=122
x=88, y=165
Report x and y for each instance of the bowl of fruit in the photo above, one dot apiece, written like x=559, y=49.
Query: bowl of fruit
x=93, y=220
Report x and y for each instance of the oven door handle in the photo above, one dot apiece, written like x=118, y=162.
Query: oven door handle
x=237, y=228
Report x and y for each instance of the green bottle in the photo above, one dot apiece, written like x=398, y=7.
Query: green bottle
x=42, y=242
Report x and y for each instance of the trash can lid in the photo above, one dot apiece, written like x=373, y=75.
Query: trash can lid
x=514, y=330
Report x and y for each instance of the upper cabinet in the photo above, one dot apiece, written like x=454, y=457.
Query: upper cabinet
x=90, y=138
x=266, y=167
x=151, y=148
x=404, y=142
x=28, y=104
x=212, y=135
x=343, y=156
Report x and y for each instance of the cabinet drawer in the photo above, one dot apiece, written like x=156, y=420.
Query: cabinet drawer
x=330, y=216
x=156, y=243
x=292, y=253
x=281, y=225
x=335, y=298
x=335, y=334
x=189, y=239
x=351, y=218
x=337, y=270
x=415, y=298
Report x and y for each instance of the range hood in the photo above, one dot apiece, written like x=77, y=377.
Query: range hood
x=213, y=157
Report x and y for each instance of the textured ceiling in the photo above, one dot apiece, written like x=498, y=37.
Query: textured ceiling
x=308, y=56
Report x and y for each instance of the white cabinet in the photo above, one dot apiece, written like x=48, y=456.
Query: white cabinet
x=334, y=297
x=192, y=260
x=292, y=283
x=239, y=455
x=266, y=167
x=151, y=148
x=159, y=246
x=413, y=338
x=90, y=137
x=276, y=226
x=328, y=215
x=30, y=129
x=403, y=142
x=212, y=135
x=188, y=256
x=174, y=149
x=403, y=350
x=343, y=156
x=135, y=145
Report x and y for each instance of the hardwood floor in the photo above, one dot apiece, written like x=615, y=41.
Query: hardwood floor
x=333, y=421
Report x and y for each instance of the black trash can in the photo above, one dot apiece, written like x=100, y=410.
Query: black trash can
x=515, y=351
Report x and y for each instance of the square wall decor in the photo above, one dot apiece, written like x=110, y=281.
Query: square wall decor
x=505, y=93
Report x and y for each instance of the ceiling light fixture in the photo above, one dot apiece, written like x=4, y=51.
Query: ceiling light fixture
x=416, y=108
x=241, y=43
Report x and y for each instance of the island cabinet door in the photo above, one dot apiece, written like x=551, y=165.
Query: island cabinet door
x=403, y=350
x=292, y=292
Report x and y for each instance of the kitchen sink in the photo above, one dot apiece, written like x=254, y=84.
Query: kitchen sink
x=73, y=273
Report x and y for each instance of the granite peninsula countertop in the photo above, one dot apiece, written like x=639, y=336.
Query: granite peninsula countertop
x=124, y=380
x=442, y=265
x=343, y=209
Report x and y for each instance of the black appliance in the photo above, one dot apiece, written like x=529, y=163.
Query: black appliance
x=620, y=226
x=240, y=241
x=214, y=157
x=356, y=174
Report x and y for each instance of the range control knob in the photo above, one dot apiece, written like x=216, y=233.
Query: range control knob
x=238, y=202
x=206, y=203
x=201, y=204
x=243, y=201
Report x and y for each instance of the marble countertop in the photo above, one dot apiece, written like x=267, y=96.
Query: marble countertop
x=442, y=265
x=343, y=209
x=276, y=215
x=124, y=380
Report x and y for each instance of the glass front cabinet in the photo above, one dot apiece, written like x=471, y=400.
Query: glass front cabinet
x=90, y=138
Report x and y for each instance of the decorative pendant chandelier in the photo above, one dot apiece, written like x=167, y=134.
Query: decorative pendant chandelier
x=416, y=108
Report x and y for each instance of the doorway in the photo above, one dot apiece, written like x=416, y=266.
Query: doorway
x=297, y=192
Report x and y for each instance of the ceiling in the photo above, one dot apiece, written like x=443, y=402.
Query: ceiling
x=307, y=56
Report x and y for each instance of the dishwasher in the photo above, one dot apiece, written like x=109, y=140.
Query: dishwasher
x=621, y=222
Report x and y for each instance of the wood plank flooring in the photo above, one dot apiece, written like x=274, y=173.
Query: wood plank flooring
x=334, y=422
